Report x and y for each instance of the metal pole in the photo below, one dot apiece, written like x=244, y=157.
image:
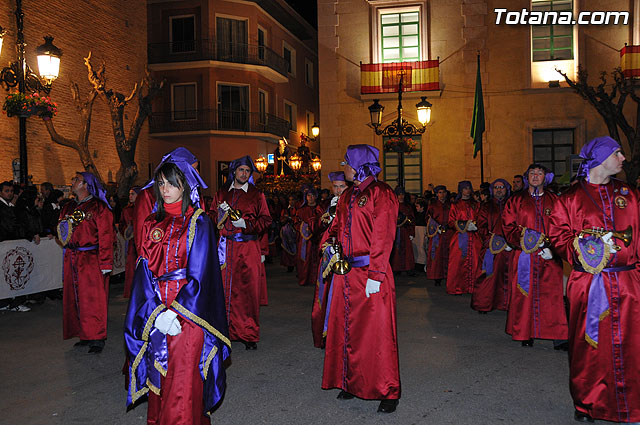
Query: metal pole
x=400, y=134
x=24, y=174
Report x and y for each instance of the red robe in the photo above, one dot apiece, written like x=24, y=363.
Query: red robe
x=463, y=267
x=319, y=306
x=86, y=289
x=541, y=313
x=127, y=231
x=361, y=354
x=241, y=272
x=437, y=249
x=264, y=250
x=287, y=259
x=604, y=381
x=181, y=398
x=307, y=257
x=492, y=291
x=402, y=252
x=144, y=204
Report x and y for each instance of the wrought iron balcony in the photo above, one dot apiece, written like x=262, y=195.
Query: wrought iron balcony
x=198, y=50
x=221, y=120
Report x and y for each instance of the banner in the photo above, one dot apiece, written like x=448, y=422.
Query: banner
x=28, y=268
x=384, y=77
x=419, y=255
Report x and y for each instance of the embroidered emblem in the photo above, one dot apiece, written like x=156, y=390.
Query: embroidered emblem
x=547, y=211
x=362, y=201
x=17, y=267
x=621, y=202
x=157, y=234
x=624, y=190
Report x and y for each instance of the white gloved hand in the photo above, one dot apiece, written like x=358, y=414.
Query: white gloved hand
x=224, y=206
x=545, y=253
x=508, y=248
x=373, y=287
x=106, y=271
x=334, y=201
x=262, y=258
x=167, y=322
x=239, y=223
x=471, y=226
x=410, y=237
x=608, y=239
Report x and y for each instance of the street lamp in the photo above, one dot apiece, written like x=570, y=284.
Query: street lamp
x=315, y=130
x=295, y=162
x=400, y=127
x=19, y=74
x=261, y=164
x=316, y=164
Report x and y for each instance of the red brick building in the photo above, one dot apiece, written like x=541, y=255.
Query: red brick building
x=114, y=31
x=239, y=76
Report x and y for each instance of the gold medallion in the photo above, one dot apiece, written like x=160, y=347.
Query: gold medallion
x=362, y=201
x=156, y=235
x=621, y=202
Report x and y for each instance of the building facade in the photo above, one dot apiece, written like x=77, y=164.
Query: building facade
x=113, y=31
x=239, y=75
x=531, y=114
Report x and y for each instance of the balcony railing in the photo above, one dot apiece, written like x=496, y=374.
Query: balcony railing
x=215, y=119
x=197, y=50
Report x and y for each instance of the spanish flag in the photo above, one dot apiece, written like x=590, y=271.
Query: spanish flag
x=384, y=77
x=630, y=61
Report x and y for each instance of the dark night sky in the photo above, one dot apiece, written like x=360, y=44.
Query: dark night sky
x=307, y=9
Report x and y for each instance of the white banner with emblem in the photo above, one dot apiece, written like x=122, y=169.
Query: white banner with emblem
x=28, y=268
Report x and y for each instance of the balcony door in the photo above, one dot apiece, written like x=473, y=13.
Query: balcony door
x=233, y=107
x=231, y=41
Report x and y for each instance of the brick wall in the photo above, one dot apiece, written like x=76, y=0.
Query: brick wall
x=114, y=31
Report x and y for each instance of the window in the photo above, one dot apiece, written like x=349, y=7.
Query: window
x=551, y=42
x=412, y=167
x=308, y=72
x=183, y=100
x=262, y=39
x=289, y=55
x=233, y=109
x=183, y=33
x=262, y=106
x=400, y=36
x=551, y=148
x=311, y=119
x=290, y=115
x=231, y=40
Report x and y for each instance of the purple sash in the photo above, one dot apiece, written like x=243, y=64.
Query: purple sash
x=305, y=232
x=463, y=243
x=487, y=262
x=288, y=236
x=524, y=272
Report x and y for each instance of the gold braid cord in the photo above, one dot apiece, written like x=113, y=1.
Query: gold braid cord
x=302, y=234
x=135, y=395
x=192, y=227
x=200, y=322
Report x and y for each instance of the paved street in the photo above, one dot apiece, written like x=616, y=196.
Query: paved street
x=456, y=366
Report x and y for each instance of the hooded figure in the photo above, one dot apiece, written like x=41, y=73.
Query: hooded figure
x=464, y=243
x=307, y=223
x=402, y=259
x=438, y=235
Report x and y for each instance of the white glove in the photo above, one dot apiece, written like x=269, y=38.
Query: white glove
x=545, y=253
x=167, y=322
x=105, y=271
x=225, y=207
x=410, y=237
x=239, y=223
x=262, y=258
x=373, y=287
x=334, y=201
x=508, y=248
x=471, y=226
x=608, y=239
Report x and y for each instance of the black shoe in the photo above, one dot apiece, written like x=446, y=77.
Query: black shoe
x=438, y=282
x=388, y=406
x=289, y=269
x=96, y=349
x=483, y=312
x=81, y=343
x=528, y=342
x=564, y=346
x=411, y=273
x=582, y=417
x=250, y=345
x=345, y=395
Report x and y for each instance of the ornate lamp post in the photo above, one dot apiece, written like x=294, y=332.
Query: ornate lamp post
x=400, y=127
x=261, y=164
x=316, y=164
x=295, y=162
x=18, y=74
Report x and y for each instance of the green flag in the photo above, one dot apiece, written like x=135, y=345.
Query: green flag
x=477, y=124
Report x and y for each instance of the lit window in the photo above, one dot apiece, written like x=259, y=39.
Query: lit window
x=551, y=42
x=400, y=36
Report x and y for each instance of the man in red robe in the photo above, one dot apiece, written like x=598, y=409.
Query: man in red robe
x=125, y=227
x=239, y=249
x=437, y=240
x=465, y=244
x=321, y=297
x=536, y=307
x=306, y=221
x=361, y=354
x=492, y=289
x=402, y=252
x=603, y=290
x=288, y=235
x=87, y=233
